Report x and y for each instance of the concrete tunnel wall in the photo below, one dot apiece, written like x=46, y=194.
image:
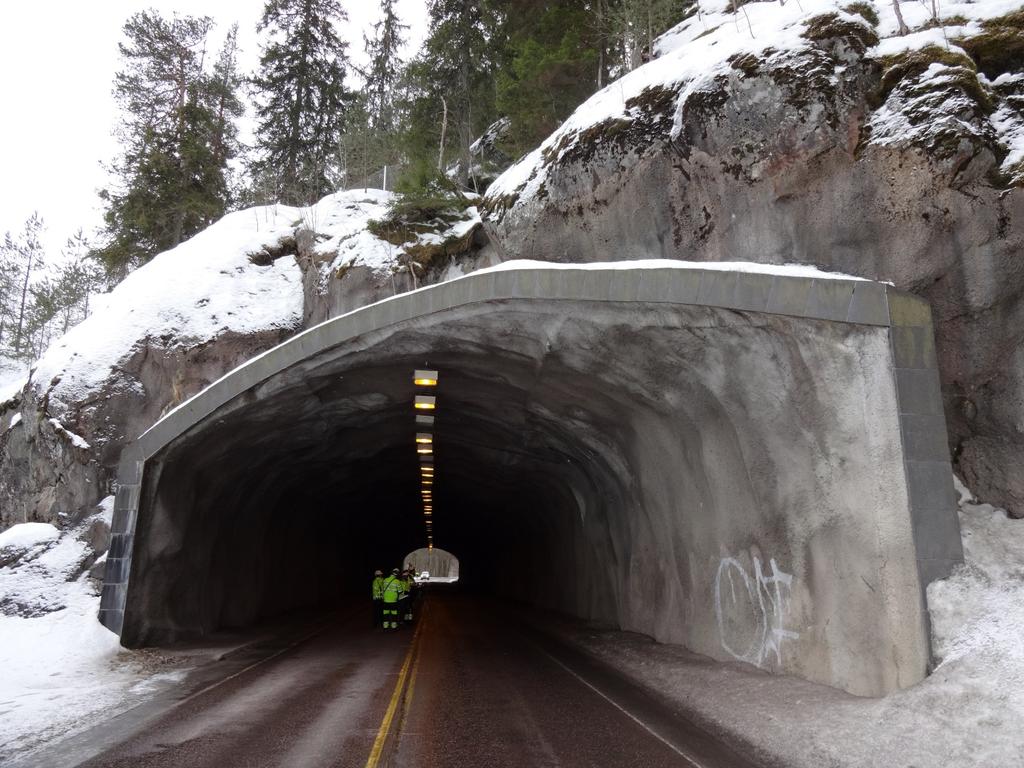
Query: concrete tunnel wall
x=753, y=466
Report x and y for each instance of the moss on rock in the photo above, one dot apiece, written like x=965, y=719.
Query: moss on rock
x=1000, y=46
x=286, y=246
x=911, y=64
x=650, y=113
x=828, y=27
x=418, y=223
x=747, y=63
x=865, y=10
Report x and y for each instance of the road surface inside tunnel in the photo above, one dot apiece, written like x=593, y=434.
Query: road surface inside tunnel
x=468, y=686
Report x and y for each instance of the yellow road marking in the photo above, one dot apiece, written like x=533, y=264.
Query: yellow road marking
x=415, y=669
x=389, y=715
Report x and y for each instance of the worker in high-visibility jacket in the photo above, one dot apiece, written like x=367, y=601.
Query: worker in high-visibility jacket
x=378, y=597
x=391, y=592
x=405, y=604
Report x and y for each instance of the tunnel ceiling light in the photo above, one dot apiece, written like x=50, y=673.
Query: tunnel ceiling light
x=425, y=402
x=424, y=438
x=424, y=450
x=424, y=378
x=424, y=420
x=427, y=471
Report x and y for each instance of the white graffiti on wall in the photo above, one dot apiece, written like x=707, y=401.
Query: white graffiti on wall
x=751, y=610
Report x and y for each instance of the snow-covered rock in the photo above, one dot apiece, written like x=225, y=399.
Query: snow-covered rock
x=813, y=132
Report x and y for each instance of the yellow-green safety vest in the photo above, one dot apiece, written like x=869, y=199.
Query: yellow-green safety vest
x=392, y=589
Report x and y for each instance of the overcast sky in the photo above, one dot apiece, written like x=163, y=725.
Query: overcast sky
x=57, y=64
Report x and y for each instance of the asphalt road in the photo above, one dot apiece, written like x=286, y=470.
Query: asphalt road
x=467, y=687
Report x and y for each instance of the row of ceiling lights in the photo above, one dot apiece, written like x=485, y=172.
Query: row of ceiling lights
x=425, y=405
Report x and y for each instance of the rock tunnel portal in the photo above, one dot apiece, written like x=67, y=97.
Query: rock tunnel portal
x=751, y=465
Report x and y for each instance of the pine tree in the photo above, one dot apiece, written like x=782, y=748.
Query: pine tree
x=361, y=151
x=22, y=257
x=224, y=86
x=177, y=137
x=304, y=100
x=451, y=86
x=369, y=142
x=553, y=68
x=384, y=73
x=60, y=301
x=633, y=26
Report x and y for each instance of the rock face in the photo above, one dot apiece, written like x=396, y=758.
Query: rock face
x=886, y=167
x=56, y=471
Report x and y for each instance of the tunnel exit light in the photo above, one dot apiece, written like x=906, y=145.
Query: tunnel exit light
x=424, y=378
x=425, y=403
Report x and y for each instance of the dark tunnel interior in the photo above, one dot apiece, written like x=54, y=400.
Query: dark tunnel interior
x=297, y=499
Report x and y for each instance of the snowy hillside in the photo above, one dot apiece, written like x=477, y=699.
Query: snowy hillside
x=238, y=276
x=713, y=41
x=206, y=286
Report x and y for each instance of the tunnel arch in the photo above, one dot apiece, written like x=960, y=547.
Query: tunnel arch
x=750, y=464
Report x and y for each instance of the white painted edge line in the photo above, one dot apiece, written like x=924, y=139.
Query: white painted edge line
x=239, y=673
x=626, y=712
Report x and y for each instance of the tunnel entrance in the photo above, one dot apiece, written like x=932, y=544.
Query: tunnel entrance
x=751, y=465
